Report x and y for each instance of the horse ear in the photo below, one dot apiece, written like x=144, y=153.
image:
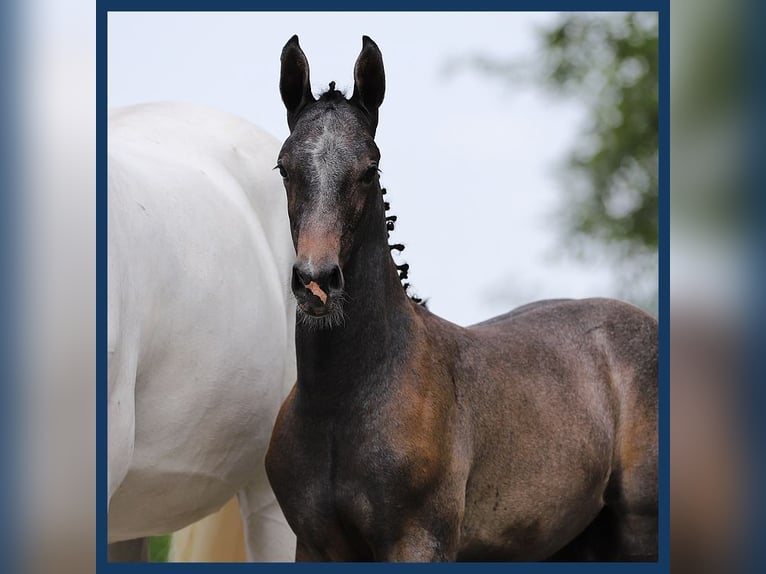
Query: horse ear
x=369, y=80
x=294, y=84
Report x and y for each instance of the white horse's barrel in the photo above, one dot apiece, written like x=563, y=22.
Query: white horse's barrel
x=200, y=321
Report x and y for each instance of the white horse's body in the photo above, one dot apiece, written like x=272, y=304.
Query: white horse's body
x=200, y=321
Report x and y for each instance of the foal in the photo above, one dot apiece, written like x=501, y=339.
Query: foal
x=409, y=438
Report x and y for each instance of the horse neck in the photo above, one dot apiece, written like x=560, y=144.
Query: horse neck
x=378, y=320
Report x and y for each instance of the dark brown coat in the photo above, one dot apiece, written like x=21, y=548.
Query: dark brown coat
x=407, y=438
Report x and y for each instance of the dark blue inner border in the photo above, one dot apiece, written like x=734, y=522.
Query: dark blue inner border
x=101, y=289
x=754, y=397
x=12, y=526
x=397, y=5
x=664, y=288
x=380, y=6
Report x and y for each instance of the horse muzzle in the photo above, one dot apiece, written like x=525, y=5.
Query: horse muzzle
x=315, y=287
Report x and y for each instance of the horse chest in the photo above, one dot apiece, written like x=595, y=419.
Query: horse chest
x=345, y=488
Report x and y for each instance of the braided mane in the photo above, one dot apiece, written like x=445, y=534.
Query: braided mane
x=403, y=268
x=331, y=94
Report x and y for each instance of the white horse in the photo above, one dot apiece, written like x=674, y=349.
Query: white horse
x=218, y=537
x=200, y=324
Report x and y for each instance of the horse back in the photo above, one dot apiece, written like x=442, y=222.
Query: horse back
x=603, y=351
x=571, y=330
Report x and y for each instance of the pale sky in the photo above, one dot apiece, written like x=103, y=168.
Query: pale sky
x=468, y=162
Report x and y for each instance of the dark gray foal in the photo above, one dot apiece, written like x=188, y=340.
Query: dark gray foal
x=531, y=436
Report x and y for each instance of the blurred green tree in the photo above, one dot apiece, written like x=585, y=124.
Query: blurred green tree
x=609, y=62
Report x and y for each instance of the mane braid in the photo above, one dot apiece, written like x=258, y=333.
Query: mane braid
x=331, y=94
x=402, y=268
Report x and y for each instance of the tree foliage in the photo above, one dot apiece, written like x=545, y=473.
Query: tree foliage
x=609, y=62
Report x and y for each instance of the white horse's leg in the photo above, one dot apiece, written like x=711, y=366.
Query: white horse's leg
x=121, y=417
x=267, y=534
x=136, y=550
x=218, y=537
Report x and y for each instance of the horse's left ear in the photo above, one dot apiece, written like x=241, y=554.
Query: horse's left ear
x=369, y=80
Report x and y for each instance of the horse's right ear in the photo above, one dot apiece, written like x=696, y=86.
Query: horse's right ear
x=294, y=84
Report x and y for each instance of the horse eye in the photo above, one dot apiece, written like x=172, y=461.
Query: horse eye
x=282, y=170
x=370, y=174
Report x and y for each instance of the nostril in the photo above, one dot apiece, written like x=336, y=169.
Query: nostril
x=335, y=280
x=304, y=277
x=328, y=279
x=300, y=279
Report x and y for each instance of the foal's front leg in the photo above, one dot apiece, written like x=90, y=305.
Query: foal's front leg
x=419, y=544
x=432, y=532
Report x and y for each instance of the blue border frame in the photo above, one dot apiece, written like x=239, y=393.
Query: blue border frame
x=101, y=285
x=12, y=333
x=754, y=395
x=660, y=6
x=382, y=6
x=664, y=290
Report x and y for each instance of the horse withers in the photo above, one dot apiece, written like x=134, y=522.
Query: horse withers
x=200, y=324
x=531, y=436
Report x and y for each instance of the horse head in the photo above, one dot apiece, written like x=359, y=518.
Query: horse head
x=329, y=165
